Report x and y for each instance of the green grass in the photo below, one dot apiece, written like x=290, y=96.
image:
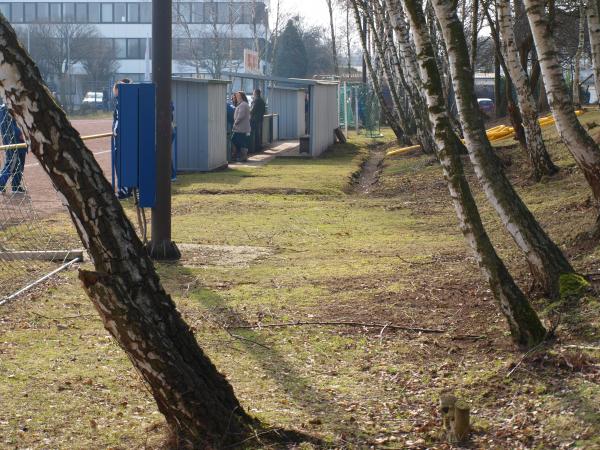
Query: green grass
x=393, y=256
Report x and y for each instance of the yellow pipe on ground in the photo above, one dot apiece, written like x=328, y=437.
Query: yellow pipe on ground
x=493, y=134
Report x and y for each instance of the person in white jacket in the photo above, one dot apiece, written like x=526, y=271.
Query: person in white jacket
x=241, y=127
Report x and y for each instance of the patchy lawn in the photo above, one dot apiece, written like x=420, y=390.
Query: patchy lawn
x=297, y=241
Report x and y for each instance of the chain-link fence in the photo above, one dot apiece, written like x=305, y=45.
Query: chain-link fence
x=359, y=108
x=36, y=238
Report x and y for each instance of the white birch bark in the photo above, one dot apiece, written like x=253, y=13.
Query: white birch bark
x=408, y=60
x=578, y=141
x=523, y=322
x=578, y=56
x=375, y=80
x=546, y=261
x=593, y=18
x=535, y=147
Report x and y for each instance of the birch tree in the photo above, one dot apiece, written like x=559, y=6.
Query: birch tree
x=413, y=86
x=536, y=149
x=197, y=401
x=593, y=20
x=330, y=7
x=581, y=145
x=388, y=58
x=389, y=115
x=578, y=56
x=546, y=261
x=526, y=328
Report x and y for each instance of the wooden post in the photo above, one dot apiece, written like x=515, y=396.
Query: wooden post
x=455, y=418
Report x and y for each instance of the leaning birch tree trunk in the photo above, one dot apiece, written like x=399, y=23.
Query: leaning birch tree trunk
x=593, y=18
x=197, y=401
x=578, y=141
x=474, y=32
x=578, y=56
x=525, y=326
x=546, y=261
x=392, y=78
x=334, y=51
x=408, y=59
x=539, y=158
x=386, y=51
x=390, y=117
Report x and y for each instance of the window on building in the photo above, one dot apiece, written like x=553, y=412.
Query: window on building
x=17, y=12
x=107, y=12
x=43, y=14
x=55, y=12
x=68, y=12
x=210, y=12
x=146, y=12
x=143, y=48
x=133, y=12
x=223, y=12
x=81, y=12
x=94, y=12
x=197, y=12
x=5, y=10
x=29, y=12
x=133, y=49
x=120, y=12
x=182, y=12
x=120, y=48
x=261, y=14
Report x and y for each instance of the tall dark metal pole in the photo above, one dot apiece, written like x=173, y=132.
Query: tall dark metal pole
x=161, y=247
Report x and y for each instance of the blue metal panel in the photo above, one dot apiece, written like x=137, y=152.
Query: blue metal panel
x=128, y=141
x=147, y=144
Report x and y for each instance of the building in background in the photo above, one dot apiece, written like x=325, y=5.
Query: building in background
x=85, y=45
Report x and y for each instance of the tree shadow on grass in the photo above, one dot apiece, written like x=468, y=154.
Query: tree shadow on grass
x=320, y=405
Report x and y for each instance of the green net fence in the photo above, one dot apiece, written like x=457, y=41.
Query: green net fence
x=359, y=108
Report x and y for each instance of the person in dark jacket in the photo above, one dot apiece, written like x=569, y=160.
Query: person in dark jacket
x=257, y=115
x=14, y=159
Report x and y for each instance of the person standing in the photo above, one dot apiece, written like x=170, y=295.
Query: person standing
x=14, y=162
x=259, y=109
x=124, y=192
x=241, y=126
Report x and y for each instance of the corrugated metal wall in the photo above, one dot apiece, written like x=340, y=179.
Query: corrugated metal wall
x=289, y=105
x=324, y=117
x=201, y=120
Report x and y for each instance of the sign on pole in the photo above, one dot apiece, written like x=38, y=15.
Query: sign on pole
x=251, y=61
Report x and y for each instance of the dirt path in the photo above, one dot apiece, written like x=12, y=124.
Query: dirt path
x=371, y=170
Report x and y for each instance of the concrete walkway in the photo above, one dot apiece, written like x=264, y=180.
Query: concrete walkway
x=278, y=148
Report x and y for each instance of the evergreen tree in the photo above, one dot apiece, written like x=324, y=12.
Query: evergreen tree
x=291, y=59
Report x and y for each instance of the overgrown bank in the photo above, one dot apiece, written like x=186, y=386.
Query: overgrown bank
x=319, y=254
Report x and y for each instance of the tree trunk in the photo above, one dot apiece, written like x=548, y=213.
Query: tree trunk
x=539, y=158
x=196, y=400
x=474, y=32
x=593, y=17
x=336, y=66
x=546, y=261
x=578, y=141
x=391, y=69
x=578, y=56
x=408, y=57
x=348, y=36
x=389, y=116
x=525, y=327
x=498, y=98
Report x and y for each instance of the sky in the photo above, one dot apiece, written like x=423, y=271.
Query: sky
x=315, y=11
